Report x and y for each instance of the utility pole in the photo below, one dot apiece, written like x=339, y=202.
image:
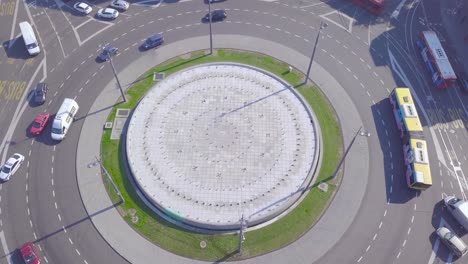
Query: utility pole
x=211, y=33
x=322, y=26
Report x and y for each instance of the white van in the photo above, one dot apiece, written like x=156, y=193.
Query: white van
x=64, y=118
x=29, y=38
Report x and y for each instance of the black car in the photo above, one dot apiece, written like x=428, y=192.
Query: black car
x=153, y=41
x=107, y=52
x=216, y=15
x=40, y=92
x=462, y=82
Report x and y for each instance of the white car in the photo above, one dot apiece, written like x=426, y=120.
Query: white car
x=82, y=7
x=120, y=4
x=11, y=166
x=108, y=13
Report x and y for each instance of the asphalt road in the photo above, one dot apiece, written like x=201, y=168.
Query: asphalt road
x=42, y=203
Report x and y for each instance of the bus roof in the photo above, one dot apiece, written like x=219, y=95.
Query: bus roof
x=421, y=166
x=438, y=53
x=408, y=109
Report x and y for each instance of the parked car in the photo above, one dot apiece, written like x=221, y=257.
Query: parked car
x=40, y=92
x=107, y=52
x=29, y=254
x=11, y=166
x=452, y=241
x=153, y=41
x=39, y=123
x=120, y=5
x=216, y=15
x=462, y=82
x=108, y=13
x=82, y=7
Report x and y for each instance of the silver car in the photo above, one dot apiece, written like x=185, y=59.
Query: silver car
x=452, y=241
x=120, y=5
x=11, y=166
x=109, y=13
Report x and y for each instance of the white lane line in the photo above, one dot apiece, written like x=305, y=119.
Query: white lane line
x=30, y=223
x=380, y=225
x=375, y=236
x=29, y=212
x=404, y=243
x=368, y=247
x=71, y=242
x=59, y=217
x=55, y=203
x=6, y=251
x=78, y=252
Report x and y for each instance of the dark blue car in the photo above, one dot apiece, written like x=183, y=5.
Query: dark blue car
x=153, y=41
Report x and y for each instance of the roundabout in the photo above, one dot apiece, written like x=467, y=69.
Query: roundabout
x=222, y=141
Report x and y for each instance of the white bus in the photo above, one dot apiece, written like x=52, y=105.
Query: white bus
x=29, y=38
x=64, y=118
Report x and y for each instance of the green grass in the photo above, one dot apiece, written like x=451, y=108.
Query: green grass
x=266, y=239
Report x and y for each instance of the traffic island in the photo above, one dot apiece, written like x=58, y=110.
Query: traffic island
x=170, y=230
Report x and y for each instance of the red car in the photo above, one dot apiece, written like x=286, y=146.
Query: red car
x=28, y=251
x=39, y=124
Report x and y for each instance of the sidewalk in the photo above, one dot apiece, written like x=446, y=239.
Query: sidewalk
x=310, y=247
x=456, y=26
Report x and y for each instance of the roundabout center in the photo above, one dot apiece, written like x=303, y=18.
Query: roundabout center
x=217, y=142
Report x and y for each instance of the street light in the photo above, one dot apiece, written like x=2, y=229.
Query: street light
x=360, y=132
x=322, y=26
x=211, y=34
x=115, y=73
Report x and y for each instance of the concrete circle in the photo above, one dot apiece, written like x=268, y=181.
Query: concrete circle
x=218, y=141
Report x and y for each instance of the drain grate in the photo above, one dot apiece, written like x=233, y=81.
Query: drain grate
x=122, y=112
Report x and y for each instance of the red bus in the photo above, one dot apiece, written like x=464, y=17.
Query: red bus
x=375, y=6
x=436, y=60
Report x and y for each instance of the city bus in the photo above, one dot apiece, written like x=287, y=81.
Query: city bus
x=436, y=60
x=405, y=113
x=374, y=6
x=418, y=171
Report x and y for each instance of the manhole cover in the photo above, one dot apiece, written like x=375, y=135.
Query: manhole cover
x=203, y=244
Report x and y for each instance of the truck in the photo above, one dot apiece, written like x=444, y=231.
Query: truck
x=459, y=209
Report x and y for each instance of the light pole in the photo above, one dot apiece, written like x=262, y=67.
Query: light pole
x=358, y=133
x=115, y=74
x=322, y=26
x=211, y=33
x=243, y=228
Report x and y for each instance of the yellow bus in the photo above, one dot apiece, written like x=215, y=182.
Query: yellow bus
x=406, y=115
x=418, y=171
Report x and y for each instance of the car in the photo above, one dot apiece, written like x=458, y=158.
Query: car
x=40, y=92
x=216, y=15
x=11, y=166
x=153, y=41
x=29, y=254
x=120, y=5
x=214, y=1
x=108, y=13
x=82, y=7
x=107, y=52
x=39, y=123
x=452, y=241
x=462, y=82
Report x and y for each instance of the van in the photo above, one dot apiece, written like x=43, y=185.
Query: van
x=64, y=118
x=459, y=209
x=29, y=38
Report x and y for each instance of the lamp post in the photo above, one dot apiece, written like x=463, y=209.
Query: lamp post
x=211, y=33
x=322, y=26
x=360, y=132
x=115, y=74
